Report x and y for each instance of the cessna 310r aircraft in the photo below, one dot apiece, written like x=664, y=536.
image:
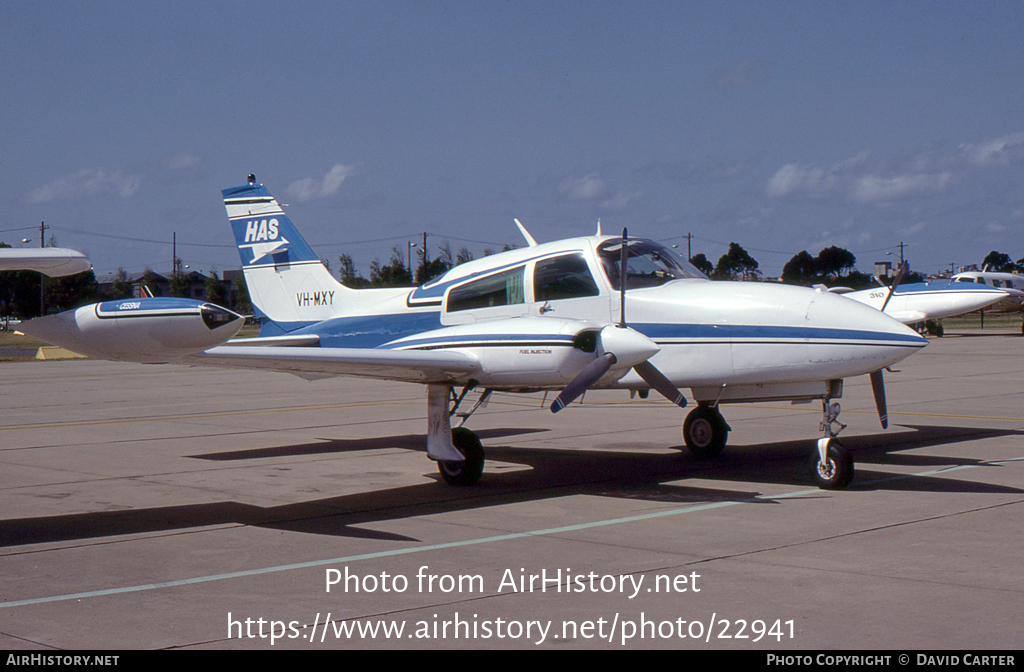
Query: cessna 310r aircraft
x=920, y=301
x=609, y=312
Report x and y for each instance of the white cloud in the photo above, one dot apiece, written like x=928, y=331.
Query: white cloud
x=793, y=178
x=309, y=188
x=583, y=188
x=1004, y=150
x=86, y=182
x=620, y=200
x=872, y=188
x=854, y=180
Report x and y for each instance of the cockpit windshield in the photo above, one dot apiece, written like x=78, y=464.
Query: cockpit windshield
x=648, y=264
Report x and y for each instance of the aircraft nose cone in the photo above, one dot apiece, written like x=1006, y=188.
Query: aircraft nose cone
x=869, y=335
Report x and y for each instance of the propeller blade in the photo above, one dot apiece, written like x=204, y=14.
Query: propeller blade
x=904, y=267
x=590, y=374
x=657, y=380
x=878, y=387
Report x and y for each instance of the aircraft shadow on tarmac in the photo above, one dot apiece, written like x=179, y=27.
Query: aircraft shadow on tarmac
x=553, y=473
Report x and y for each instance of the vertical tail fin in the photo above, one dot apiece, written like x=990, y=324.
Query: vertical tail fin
x=288, y=285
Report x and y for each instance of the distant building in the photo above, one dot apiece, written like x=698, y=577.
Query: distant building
x=106, y=283
x=883, y=269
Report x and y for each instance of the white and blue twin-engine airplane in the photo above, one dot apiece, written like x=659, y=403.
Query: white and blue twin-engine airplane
x=920, y=301
x=595, y=312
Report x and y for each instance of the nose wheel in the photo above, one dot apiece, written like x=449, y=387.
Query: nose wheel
x=831, y=464
x=705, y=431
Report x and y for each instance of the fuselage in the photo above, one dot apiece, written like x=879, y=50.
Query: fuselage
x=534, y=317
x=1011, y=283
x=916, y=302
x=519, y=311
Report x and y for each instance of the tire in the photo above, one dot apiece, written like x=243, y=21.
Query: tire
x=837, y=472
x=705, y=431
x=467, y=472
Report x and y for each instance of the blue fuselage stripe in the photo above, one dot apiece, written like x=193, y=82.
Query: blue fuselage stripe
x=376, y=331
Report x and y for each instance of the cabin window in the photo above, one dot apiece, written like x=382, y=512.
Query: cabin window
x=566, y=277
x=500, y=289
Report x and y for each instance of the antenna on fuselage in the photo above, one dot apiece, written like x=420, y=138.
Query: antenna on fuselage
x=526, y=234
x=623, y=271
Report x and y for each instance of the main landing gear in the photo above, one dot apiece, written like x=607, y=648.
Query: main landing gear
x=705, y=431
x=458, y=452
x=469, y=470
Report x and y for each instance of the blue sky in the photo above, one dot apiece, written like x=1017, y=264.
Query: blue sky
x=783, y=126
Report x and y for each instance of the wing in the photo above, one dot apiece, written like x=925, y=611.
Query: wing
x=414, y=366
x=51, y=261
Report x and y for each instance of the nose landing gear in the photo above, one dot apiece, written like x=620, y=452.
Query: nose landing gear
x=831, y=464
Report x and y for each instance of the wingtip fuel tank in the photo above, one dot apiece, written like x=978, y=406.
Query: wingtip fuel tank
x=147, y=330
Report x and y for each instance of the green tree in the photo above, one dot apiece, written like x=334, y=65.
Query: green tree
x=19, y=292
x=736, y=264
x=348, y=275
x=999, y=262
x=242, y=302
x=216, y=292
x=703, y=264
x=71, y=291
x=802, y=269
x=179, y=284
x=121, y=288
x=394, y=274
x=149, y=281
x=835, y=261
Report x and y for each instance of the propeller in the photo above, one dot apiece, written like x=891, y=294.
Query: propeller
x=590, y=374
x=878, y=388
x=895, y=282
x=619, y=343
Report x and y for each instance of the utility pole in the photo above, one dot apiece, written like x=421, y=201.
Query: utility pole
x=689, y=253
x=409, y=246
x=902, y=245
x=42, y=278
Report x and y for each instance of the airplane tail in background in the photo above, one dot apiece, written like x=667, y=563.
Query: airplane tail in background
x=288, y=285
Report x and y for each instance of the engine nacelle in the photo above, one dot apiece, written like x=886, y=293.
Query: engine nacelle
x=149, y=330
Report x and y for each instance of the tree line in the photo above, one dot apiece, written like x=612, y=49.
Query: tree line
x=24, y=294
x=20, y=290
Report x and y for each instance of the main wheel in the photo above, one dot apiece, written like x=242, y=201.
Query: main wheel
x=468, y=471
x=705, y=431
x=836, y=471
